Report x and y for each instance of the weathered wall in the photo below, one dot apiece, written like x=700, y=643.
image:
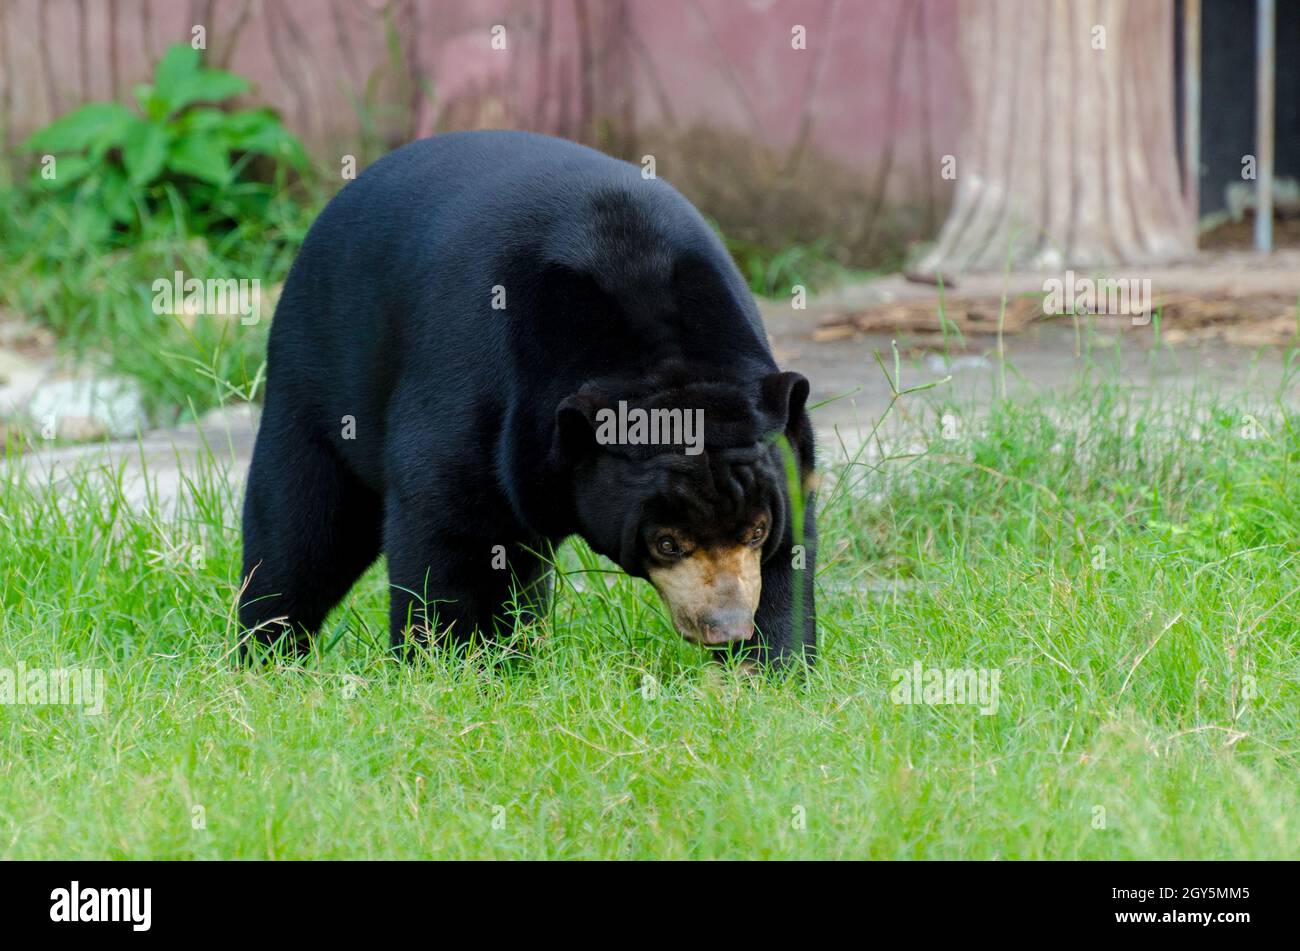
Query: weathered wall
x=843, y=137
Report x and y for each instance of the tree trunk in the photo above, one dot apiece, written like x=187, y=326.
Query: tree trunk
x=1068, y=157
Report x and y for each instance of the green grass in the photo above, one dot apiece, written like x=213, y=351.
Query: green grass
x=97, y=295
x=1162, y=687
x=774, y=271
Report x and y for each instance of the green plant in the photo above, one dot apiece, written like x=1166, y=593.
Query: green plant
x=774, y=272
x=117, y=166
x=122, y=196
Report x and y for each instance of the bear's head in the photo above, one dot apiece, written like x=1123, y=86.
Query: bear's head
x=682, y=480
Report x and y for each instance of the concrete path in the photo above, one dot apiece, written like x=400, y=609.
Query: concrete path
x=155, y=464
x=1041, y=358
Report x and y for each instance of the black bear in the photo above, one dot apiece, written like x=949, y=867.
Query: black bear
x=491, y=341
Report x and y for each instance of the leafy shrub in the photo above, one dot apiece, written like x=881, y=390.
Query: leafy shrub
x=178, y=152
x=176, y=183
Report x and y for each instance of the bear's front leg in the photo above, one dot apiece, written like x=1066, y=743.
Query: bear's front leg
x=434, y=579
x=429, y=602
x=786, y=618
x=447, y=581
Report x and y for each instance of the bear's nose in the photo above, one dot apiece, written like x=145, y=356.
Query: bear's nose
x=722, y=627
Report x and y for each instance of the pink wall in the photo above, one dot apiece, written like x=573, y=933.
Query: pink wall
x=732, y=62
x=877, y=88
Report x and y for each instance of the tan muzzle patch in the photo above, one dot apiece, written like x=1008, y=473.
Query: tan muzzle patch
x=712, y=593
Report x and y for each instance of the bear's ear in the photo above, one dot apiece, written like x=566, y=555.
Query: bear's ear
x=575, y=426
x=784, y=396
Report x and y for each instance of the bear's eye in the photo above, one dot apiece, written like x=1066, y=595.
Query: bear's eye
x=667, y=546
x=757, y=533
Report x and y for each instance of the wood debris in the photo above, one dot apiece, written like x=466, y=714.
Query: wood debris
x=1245, y=320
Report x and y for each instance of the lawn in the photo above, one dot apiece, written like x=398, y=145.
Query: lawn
x=1126, y=566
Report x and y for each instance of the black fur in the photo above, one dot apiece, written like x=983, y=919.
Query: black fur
x=473, y=425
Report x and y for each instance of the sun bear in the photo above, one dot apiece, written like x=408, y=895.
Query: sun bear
x=491, y=341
